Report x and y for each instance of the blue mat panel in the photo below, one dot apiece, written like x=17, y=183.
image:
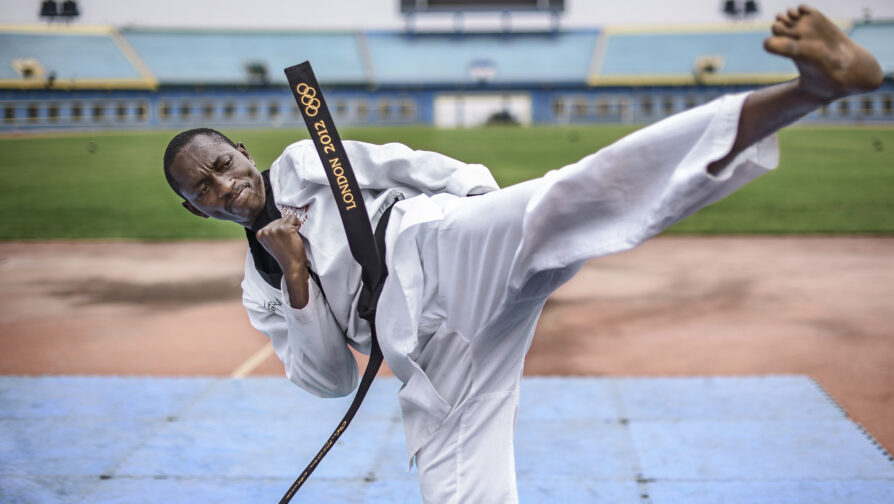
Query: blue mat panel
x=733, y=398
x=775, y=492
x=737, y=440
x=750, y=450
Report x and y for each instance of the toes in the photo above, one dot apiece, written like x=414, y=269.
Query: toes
x=782, y=30
x=783, y=46
x=805, y=9
x=794, y=14
x=784, y=19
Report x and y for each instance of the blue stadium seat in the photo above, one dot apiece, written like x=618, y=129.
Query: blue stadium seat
x=446, y=58
x=68, y=55
x=182, y=57
x=659, y=56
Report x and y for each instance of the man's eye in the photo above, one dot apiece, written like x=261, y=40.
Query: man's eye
x=203, y=189
x=227, y=164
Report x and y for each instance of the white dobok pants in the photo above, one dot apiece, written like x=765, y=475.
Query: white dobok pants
x=493, y=260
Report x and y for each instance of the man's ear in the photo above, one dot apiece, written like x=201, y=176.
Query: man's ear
x=241, y=148
x=193, y=210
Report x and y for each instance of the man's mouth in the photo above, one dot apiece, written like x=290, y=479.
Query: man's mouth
x=236, y=195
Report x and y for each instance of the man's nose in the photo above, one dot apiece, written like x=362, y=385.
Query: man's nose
x=224, y=184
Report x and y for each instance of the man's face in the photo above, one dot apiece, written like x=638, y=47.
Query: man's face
x=218, y=180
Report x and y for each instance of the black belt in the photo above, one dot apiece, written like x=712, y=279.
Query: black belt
x=367, y=248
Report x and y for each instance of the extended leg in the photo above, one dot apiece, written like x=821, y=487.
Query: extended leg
x=635, y=188
x=831, y=66
x=504, y=252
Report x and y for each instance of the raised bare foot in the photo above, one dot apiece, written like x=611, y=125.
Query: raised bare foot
x=830, y=63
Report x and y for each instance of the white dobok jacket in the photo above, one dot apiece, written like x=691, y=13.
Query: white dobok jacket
x=313, y=342
x=608, y=202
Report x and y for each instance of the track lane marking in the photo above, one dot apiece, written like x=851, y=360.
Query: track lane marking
x=253, y=362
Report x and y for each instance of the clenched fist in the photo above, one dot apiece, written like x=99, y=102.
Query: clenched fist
x=281, y=239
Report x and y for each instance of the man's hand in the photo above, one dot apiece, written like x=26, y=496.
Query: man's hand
x=281, y=239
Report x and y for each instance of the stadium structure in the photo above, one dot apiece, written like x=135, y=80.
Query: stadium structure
x=59, y=77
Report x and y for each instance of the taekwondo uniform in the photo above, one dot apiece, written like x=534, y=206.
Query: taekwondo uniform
x=468, y=277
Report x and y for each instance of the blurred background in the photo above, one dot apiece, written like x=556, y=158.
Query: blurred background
x=521, y=86
x=166, y=64
x=103, y=273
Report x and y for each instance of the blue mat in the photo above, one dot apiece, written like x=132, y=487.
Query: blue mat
x=743, y=440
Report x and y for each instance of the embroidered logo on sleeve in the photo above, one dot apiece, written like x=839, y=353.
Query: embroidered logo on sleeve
x=272, y=304
x=300, y=212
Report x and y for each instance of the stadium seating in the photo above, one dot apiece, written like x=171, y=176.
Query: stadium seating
x=69, y=55
x=451, y=58
x=686, y=57
x=721, y=55
x=57, y=77
x=187, y=57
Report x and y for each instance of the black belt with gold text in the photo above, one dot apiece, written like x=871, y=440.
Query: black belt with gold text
x=367, y=248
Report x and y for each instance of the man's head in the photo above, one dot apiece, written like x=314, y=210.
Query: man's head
x=214, y=176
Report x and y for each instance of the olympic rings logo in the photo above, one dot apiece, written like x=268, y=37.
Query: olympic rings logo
x=308, y=97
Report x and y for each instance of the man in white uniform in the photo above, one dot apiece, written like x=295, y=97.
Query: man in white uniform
x=468, y=276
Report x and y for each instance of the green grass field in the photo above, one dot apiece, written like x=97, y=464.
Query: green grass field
x=110, y=185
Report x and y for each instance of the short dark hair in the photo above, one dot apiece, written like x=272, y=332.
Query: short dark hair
x=182, y=140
